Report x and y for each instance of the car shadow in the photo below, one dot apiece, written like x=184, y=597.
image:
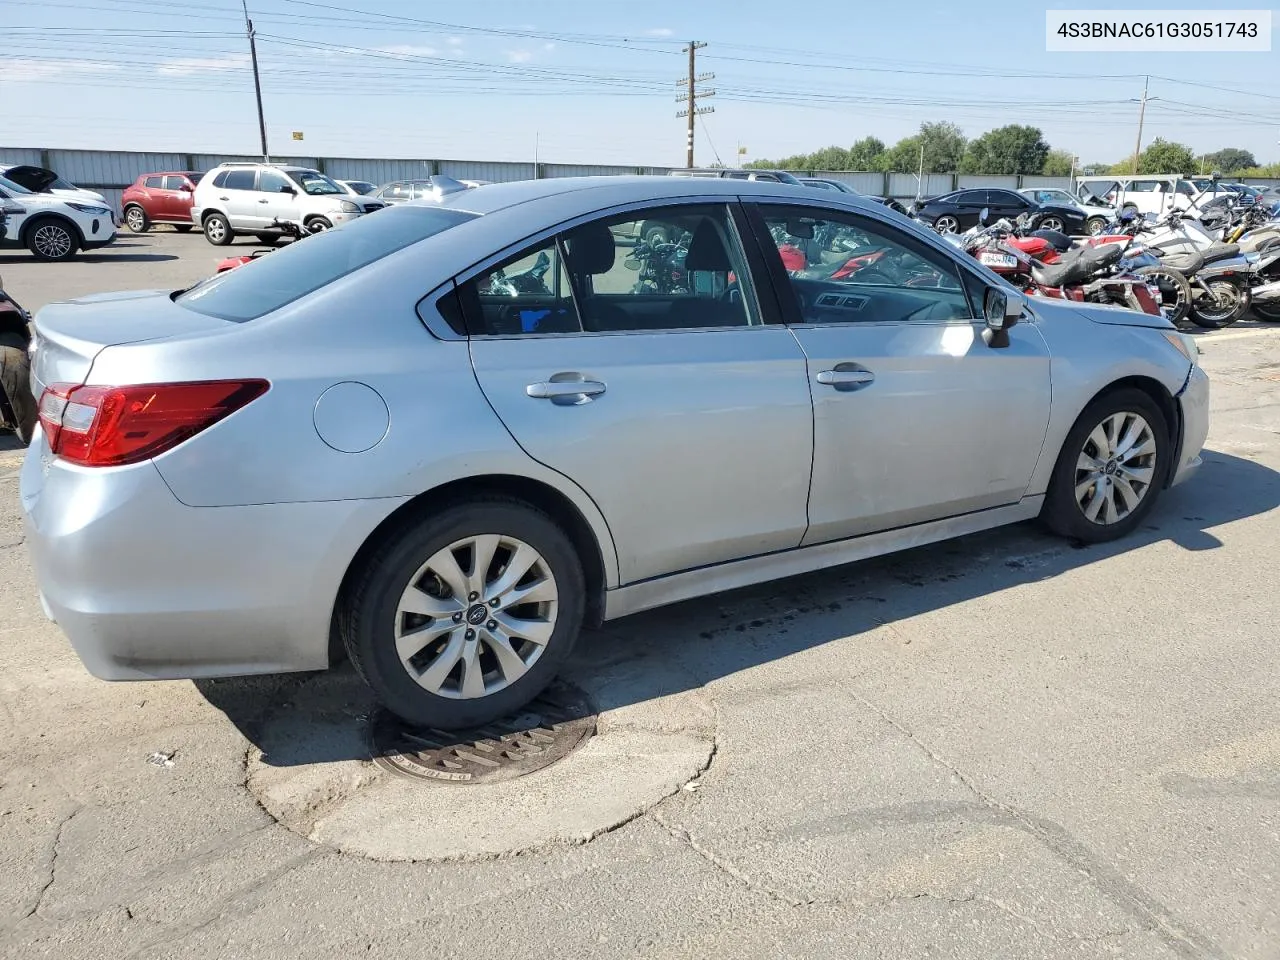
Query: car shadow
x=688, y=645
x=26, y=259
x=9, y=442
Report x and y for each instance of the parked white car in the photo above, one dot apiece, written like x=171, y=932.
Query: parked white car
x=250, y=197
x=40, y=180
x=50, y=226
x=1098, y=214
x=358, y=188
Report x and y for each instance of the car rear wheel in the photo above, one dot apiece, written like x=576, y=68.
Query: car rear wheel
x=1053, y=222
x=946, y=224
x=1111, y=468
x=467, y=615
x=1096, y=225
x=52, y=239
x=217, y=230
x=135, y=218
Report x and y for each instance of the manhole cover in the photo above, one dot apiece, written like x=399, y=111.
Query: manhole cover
x=552, y=726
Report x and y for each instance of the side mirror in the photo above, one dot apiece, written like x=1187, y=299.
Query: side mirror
x=187, y=188
x=1002, y=310
x=289, y=190
x=982, y=217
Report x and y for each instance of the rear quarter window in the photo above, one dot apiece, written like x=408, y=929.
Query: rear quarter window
x=305, y=266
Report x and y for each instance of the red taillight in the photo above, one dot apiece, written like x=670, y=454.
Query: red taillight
x=108, y=426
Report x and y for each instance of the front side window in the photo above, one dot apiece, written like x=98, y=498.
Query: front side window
x=844, y=268
x=174, y=182
x=271, y=181
x=240, y=179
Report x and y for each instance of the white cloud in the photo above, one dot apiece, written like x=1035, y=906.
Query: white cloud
x=659, y=32
x=455, y=41
x=186, y=66
x=408, y=50
x=519, y=56
x=26, y=69
x=548, y=46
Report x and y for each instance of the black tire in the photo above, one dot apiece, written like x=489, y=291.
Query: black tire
x=270, y=239
x=136, y=219
x=317, y=224
x=946, y=224
x=1052, y=222
x=52, y=239
x=655, y=233
x=1175, y=291
x=1213, y=315
x=183, y=227
x=1061, y=512
x=1095, y=225
x=15, y=383
x=1269, y=312
x=217, y=230
x=367, y=610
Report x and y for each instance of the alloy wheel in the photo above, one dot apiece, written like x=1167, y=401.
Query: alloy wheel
x=476, y=616
x=215, y=229
x=136, y=219
x=52, y=241
x=1116, y=468
x=947, y=224
x=1052, y=223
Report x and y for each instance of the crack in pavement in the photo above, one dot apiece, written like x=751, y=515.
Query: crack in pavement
x=1017, y=915
x=1180, y=937
x=54, y=850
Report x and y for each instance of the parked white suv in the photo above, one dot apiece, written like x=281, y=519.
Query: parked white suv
x=250, y=197
x=52, y=227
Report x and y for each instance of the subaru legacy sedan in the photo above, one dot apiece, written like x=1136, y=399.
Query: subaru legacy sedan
x=449, y=435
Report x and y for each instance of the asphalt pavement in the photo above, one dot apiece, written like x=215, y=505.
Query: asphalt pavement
x=1000, y=747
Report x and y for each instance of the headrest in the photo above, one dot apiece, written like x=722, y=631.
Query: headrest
x=706, y=249
x=590, y=248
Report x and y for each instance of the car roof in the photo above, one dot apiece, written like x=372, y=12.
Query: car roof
x=610, y=191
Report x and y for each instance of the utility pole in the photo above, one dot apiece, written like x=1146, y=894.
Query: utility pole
x=257, y=83
x=1142, y=112
x=692, y=95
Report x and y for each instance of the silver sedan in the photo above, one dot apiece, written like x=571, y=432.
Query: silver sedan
x=451, y=434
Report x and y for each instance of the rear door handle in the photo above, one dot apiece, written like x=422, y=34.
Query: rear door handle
x=224, y=198
x=846, y=379
x=565, y=388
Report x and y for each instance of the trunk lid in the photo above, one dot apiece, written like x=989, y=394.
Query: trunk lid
x=70, y=334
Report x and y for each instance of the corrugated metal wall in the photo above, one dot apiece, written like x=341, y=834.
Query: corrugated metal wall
x=977, y=181
x=16, y=155
x=906, y=185
x=1062, y=183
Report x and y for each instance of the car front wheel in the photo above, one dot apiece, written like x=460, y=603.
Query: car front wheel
x=467, y=615
x=946, y=224
x=52, y=239
x=1111, y=468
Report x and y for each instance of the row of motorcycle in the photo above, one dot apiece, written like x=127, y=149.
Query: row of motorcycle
x=1207, y=270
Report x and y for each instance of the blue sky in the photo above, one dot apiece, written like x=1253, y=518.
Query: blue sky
x=596, y=81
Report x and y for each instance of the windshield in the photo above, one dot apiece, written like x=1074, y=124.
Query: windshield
x=316, y=184
x=12, y=187
x=270, y=282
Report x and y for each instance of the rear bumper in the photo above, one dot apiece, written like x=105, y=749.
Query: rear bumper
x=147, y=588
x=1194, y=401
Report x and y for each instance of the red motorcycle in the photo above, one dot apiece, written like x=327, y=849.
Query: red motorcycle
x=1082, y=274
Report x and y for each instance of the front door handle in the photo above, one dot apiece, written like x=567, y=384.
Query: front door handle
x=224, y=198
x=565, y=388
x=846, y=377
x=264, y=200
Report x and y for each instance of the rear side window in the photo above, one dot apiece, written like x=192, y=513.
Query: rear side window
x=269, y=283
x=240, y=179
x=154, y=183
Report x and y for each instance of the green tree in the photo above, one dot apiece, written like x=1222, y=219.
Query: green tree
x=1006, y=150
x=829, y=158
x=1229, y=160
x=867, y=154
x=1059, y=163
x=903, y=156
x=943, y=146
x=1162, y=156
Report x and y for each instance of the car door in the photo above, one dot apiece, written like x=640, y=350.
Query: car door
x=915, y=417
x=969, y=205
x=1006, y=203
x=238, y=196
x=277, y=198
x=177, y=198
x=644, y=374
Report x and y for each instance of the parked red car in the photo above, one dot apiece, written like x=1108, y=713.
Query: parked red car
x=159, y=198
